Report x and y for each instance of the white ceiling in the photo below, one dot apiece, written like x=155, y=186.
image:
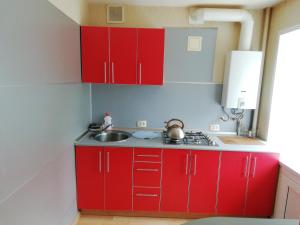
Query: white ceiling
x=184, y=3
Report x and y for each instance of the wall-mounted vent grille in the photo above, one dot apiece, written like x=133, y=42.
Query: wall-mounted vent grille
x=115, y=14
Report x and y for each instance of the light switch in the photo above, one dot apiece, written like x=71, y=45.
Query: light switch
x=194, y=43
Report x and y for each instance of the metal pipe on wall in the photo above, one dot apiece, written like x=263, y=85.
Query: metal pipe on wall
x=268, y=12
x=201, y=15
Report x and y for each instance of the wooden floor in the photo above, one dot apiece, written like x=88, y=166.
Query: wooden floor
x=118, y=220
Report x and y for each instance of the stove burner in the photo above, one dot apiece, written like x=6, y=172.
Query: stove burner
x=191, y=138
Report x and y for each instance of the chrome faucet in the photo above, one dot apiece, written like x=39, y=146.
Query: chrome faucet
x=105, y=128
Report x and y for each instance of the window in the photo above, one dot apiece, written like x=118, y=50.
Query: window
x=284, y=129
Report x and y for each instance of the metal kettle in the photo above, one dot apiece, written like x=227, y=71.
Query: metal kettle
x=175, y=129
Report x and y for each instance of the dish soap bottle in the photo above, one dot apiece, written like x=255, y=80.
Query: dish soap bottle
x=107, y=121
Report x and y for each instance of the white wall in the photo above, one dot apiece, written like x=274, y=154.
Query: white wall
x=44, y=107
x=75, y=9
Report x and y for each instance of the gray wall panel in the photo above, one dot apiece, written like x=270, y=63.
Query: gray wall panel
x=38, y=44
x=186, y=66
x=197, y=105
x=44, y=107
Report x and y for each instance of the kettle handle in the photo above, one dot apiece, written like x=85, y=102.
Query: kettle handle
x=172, y=120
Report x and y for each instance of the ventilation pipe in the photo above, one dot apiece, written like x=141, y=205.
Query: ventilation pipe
x=201, y=15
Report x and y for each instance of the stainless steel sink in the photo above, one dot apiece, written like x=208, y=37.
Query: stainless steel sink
x=112, y=136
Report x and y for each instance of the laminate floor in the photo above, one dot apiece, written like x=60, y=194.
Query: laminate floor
x=119, y=220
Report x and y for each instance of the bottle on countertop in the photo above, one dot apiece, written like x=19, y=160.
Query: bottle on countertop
x=107, y=121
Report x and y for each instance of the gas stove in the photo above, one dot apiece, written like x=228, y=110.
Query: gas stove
x=191, y=138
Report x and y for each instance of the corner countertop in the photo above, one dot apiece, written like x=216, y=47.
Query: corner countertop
x=87, y=140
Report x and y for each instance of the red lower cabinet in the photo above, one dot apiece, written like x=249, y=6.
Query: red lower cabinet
x=248, y=184
x=146, y=199
x=233, y=183
x=204, y=181
x=104, y=178
x=172, y=180
x=175, y=180
x=118, y=179
x=90, y=178
x=263, y=175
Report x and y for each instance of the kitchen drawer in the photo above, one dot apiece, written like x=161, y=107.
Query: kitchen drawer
x=147, y=155
x=146, y=174
x=146, y=199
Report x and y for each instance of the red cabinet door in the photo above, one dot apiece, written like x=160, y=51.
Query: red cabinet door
x=262, y=185
x=233, y=183
x=118, y=178
x=90, y=177
x=150, y=56
x=204, y=181
x=123, y=55
x=94, y=54
x=175, y=180
x=146, y=199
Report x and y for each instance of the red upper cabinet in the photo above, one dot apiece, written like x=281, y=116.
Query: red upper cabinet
x=233, y=183
x=263, y=175
x=204, y=181
x=90, y=177
x=118, y=179
x=150, y=56
x=94, y=54
x=175, y=180
x=123, y=55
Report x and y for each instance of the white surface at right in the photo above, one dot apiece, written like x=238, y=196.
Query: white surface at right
x=241, y=221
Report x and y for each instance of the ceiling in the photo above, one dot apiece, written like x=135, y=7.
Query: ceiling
x=257, y=4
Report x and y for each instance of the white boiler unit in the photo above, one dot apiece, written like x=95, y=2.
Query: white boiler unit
x=241, y=79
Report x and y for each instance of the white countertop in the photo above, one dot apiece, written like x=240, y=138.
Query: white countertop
x=241, y=221
x=86, y=140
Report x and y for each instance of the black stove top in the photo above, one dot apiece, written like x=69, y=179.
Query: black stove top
x=191, y=138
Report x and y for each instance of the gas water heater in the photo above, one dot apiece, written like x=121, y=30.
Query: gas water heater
x=241, y=79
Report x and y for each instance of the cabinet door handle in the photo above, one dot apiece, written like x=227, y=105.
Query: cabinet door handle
x=152, y=156
x=113, y=72
x=107, y=166
x=105, y=77
x=195, y=165
x=146, y=195
x=148, y=170
x=246, y=166
x=254, y=167
x=140, y=66
x=100, y=162
x=186, y=163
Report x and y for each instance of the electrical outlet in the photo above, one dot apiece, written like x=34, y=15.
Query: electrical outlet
x=141, y=123
x=214, y=127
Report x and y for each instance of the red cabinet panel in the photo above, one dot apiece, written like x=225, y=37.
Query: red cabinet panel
x=147, y=174
x=150, y=56
x=147, y=155
x=263, y=175
x=118, y=178
x=90, y=177
x=175, y=180
x=204, y=181
x=146, y=199
x=233, y=183
x=123, y=55
x=94, y=54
